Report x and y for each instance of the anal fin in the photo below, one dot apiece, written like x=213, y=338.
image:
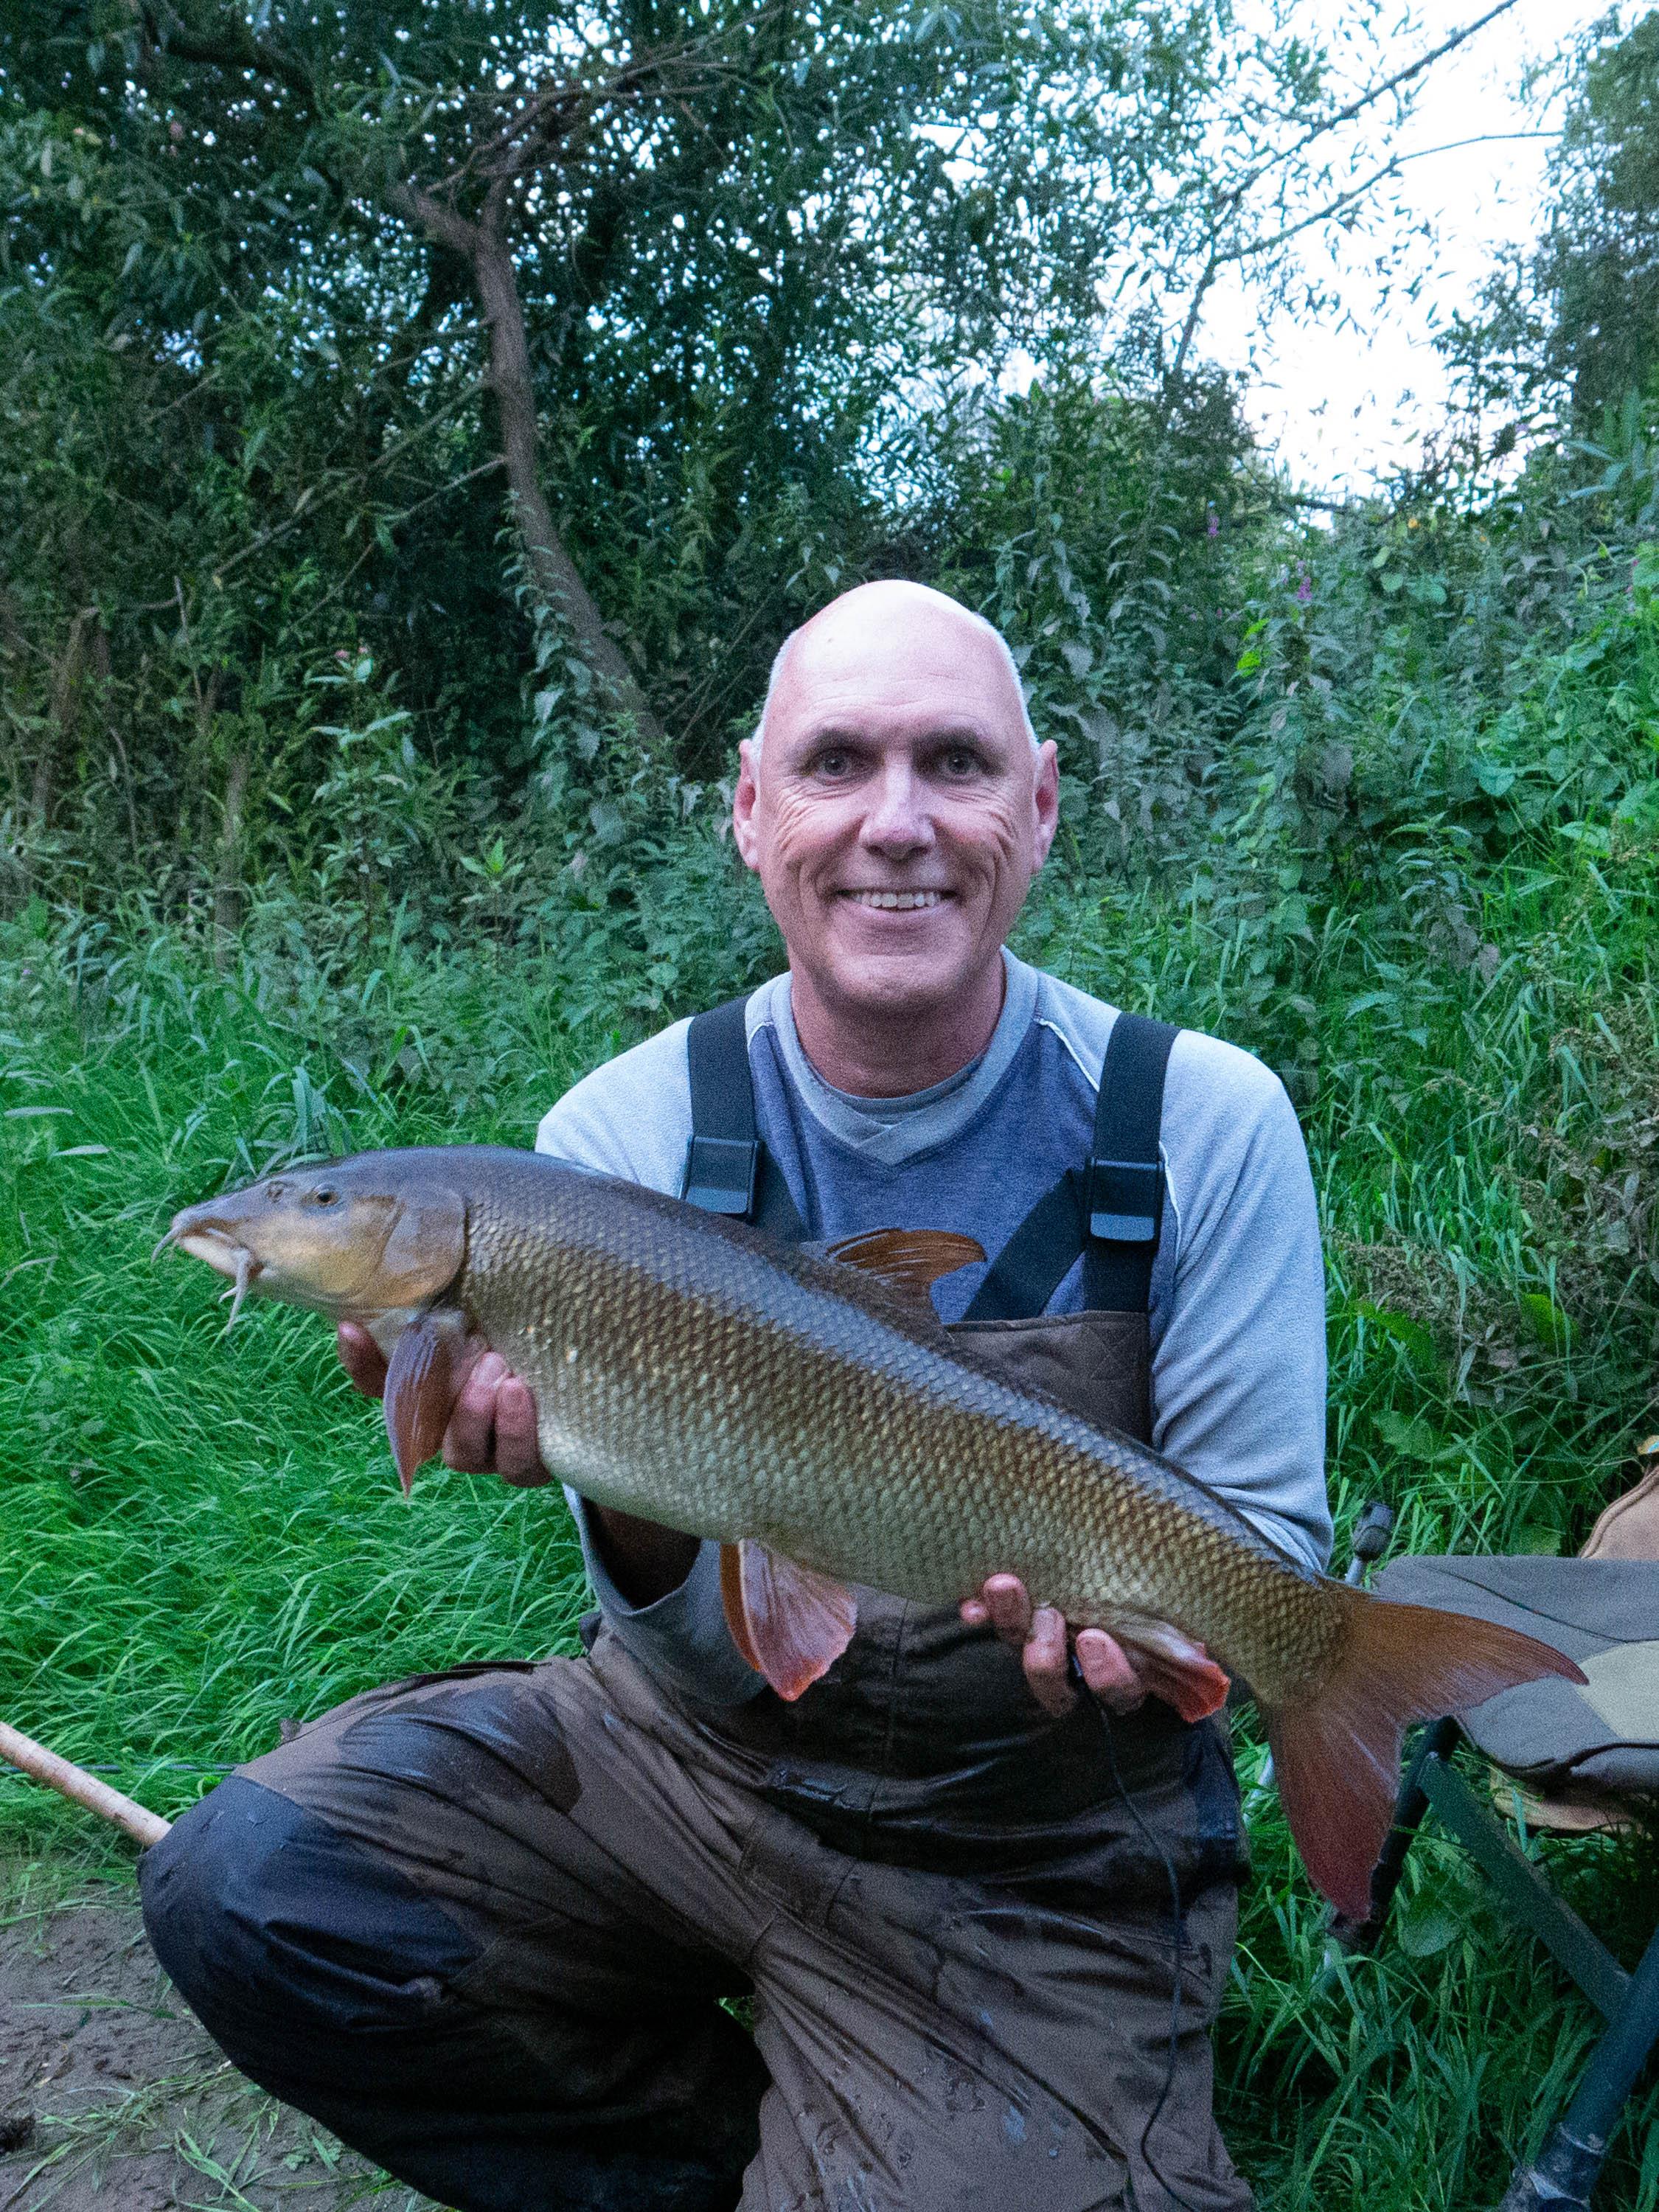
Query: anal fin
x=1197, y=1688
x=788, y=1622
x=1182, y=1672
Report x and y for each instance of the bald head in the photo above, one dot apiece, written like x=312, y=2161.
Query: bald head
x=896, y=819
x=895, y=620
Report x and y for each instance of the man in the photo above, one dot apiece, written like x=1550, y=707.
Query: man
x=480, y=1924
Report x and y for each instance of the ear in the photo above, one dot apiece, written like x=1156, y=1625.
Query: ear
x=745, y=799
x=424, y=1250
x=1045, y=798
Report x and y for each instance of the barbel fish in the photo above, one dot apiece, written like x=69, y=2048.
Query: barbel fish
x=804, y=1408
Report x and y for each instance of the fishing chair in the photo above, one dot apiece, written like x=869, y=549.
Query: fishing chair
x=1579, y=1753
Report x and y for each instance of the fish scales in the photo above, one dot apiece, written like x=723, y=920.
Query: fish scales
x=716, y=1389
x=828, y=1433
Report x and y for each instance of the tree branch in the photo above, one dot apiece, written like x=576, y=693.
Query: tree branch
x=230, y=44
x=485, y=247
x=1371, y=95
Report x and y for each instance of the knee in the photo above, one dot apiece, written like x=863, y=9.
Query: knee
x=204, y=1889
x=265, y=1917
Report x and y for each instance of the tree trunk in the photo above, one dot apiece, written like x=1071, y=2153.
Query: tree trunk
x=496, y=283
x=227, y=891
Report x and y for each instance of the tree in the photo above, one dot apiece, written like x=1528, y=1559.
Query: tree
x=1570, y=326
x=302, y=309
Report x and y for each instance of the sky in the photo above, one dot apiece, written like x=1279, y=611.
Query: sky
x=1345, y=401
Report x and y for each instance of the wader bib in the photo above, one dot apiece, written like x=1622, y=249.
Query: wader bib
x=923, y=1745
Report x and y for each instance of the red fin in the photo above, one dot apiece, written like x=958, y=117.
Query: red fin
x=731, y=1601
x=1197, y=1688
x=906, y=1259
x=1337, y=1758
x=790, y=1624
x=424, y=1379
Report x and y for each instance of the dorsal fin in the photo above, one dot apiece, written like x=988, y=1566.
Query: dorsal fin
x=906, y=1259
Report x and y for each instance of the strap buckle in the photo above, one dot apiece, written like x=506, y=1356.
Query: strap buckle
x=720, y=1174
x=1126, y=1200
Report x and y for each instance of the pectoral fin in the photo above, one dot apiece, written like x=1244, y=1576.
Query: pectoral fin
x=429, y=1363
x=788, y=1623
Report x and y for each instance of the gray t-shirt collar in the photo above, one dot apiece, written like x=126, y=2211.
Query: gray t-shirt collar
x=893, y=1130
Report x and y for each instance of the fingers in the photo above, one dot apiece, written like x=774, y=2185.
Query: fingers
x=1107, y=1669
x=518, y=1454
x=469, y=1439
x=1039, y=1636
x=492, y=1427
x=362, y=1358
x=1046, y=1659
x=1009, y=1609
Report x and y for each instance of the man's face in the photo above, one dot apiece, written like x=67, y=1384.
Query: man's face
x=897, y=812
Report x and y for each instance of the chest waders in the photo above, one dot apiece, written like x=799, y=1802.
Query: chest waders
x=923, y=1745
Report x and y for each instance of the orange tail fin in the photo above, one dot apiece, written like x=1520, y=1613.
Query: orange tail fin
x=1337, y=1758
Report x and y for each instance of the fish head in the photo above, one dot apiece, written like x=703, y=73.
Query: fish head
x=375, y=1234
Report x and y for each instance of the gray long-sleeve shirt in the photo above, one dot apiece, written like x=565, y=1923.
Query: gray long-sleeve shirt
x=1237, y=1316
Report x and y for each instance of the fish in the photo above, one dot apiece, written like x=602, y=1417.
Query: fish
x=804, y=1408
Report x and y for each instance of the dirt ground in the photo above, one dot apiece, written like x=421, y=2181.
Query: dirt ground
x=112, y=2098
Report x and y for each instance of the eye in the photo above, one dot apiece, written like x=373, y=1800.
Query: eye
x=835, y=764
x=960, y=760
x=326, y=1198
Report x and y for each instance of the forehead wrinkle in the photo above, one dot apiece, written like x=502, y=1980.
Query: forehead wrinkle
x=835, y=627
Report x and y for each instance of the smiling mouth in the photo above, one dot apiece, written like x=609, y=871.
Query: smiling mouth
x=895, y=901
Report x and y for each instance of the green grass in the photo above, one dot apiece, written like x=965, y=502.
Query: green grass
x=203, y=1534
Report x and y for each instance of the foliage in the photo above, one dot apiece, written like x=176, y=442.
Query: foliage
x=206, y=1533
x=322, y=826
x=1568, y=327
x=689, y=305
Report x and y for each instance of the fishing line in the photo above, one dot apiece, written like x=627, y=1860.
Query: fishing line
x=1161, y=1851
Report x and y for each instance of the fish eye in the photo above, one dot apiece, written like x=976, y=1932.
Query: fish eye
x=325, y=1197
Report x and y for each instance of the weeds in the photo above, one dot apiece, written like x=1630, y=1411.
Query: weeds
x=1439, y=933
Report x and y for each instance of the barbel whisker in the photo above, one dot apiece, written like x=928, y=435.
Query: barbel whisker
x=247, y=1269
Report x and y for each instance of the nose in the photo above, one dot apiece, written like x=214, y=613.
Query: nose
x=898, y=823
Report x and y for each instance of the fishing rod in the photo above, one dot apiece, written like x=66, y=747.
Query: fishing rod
x=83, y=1788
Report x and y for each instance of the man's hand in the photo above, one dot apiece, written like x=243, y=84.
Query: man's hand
x=1039, y=1636
x=492, y=1427
x=492, y=1431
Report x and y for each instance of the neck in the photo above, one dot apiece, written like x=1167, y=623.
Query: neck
x=882, y=1053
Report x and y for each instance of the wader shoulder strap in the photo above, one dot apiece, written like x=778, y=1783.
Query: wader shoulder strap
x=1110, y=1211
x=727, y=1169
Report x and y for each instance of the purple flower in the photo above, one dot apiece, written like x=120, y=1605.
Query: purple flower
x=1213, y=527
x=1303, y=589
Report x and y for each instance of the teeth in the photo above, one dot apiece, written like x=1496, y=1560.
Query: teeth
x=896, y=901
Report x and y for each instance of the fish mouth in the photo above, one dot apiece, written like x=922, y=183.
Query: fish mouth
x=222, y=1251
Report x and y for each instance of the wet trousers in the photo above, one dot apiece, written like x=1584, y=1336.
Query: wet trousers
x=480, y=1925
